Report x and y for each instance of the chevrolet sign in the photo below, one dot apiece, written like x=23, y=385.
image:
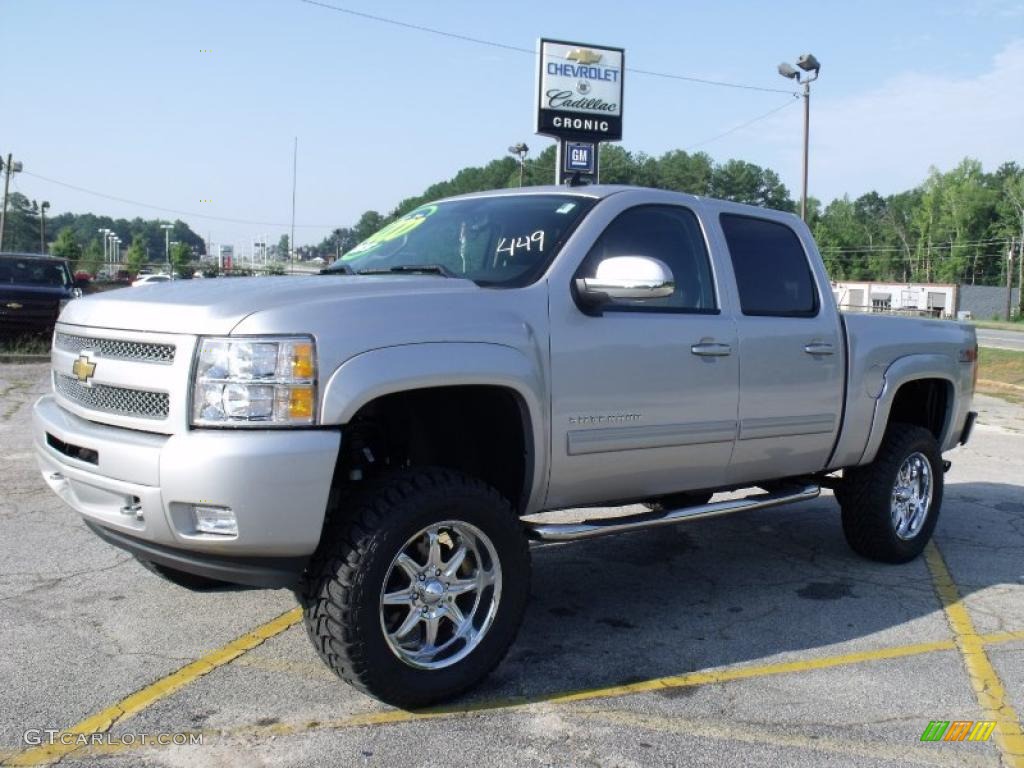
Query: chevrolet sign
x=579, y=91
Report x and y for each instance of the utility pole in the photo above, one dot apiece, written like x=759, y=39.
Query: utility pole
x=9, y=167
x=295, y=166
x=1009, y=281
x=167, y=247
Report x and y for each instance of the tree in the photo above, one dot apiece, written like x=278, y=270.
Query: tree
x=67, y=247
x=92, y=259
x=283, y=251
x=368, y=223
x=135, y=257
x=181, y=255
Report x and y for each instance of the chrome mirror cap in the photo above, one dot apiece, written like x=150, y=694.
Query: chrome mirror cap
x=627, y=277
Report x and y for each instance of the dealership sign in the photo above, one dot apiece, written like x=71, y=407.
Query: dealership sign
x=579, y=91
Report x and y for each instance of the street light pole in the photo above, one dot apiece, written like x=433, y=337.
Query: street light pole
x=167, y=247
x=809, y=64
x=42, y=227
x=520, y=150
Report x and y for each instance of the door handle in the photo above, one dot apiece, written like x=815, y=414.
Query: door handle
x=710, y=349
x=819, y=348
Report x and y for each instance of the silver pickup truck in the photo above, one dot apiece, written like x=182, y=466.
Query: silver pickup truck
x=373, y=437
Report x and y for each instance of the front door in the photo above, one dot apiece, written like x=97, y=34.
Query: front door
x=644, y=393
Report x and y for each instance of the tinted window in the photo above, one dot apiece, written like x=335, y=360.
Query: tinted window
x=664, y=232
x=21, y=271
x=771, y=268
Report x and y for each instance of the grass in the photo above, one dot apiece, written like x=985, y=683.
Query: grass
x=28, y=344
x=1001, y=373
x=1016, y=325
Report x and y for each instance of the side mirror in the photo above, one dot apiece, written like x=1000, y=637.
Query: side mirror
x=626, y=277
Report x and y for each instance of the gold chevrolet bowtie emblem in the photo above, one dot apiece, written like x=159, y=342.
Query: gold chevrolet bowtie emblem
x=83, y=369
x=583, y=56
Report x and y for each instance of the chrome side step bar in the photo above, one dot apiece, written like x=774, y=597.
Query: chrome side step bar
x=589, y=529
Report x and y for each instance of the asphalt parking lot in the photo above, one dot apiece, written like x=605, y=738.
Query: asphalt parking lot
x=752, y=639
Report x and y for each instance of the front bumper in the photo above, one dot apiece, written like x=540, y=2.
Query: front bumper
x=137, y=488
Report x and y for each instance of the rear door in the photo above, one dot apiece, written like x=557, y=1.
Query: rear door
x=790, y=352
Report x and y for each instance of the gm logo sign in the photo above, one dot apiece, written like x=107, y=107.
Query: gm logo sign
x=580, y=157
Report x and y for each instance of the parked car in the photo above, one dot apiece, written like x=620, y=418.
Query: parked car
x=374, y=437
x=149, y=280
x=33, y=290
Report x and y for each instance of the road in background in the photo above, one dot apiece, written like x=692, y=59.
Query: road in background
x=990, y=337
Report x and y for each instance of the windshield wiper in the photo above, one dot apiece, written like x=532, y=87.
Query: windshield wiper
x=411, y=269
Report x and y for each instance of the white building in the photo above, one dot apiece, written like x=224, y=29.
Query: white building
x=897, y=298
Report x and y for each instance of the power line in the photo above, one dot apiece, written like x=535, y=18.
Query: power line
x=169, y=210
x=735, y=128
x=530, y=51
x=934, y=246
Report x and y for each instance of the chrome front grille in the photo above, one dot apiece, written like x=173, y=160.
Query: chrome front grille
x=137, y=403
x=116, y=349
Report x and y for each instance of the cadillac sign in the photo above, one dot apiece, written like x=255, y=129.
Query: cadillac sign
x=579, y=91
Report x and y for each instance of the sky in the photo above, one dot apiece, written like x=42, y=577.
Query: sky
x=189, y=109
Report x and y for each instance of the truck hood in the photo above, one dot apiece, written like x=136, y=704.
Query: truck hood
x=216, y=306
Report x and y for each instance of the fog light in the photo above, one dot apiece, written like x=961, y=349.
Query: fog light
x=218, y=520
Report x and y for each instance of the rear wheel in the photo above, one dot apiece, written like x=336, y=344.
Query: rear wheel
x=891, y=506
x=419, y=587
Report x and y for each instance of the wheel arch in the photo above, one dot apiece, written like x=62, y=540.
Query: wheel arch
x=917, y=389
x=429, y=378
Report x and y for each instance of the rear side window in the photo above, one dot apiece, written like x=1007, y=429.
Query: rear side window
x=771, y=268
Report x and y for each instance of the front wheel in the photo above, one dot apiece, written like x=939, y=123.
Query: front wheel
x=890, y=507
x=419, y=587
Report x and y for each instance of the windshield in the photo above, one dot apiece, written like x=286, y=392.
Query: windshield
x=490, y=240
x=18, y=271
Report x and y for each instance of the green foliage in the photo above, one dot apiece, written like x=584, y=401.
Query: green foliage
x=283, y=251
x=181, y=255
x=92, y=259
x=22, y=228
x=135, y=256
x=67, y=247
x=274, y=269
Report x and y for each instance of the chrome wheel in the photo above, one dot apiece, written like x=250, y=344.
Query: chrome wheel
x=440, y=595
x=911, y=496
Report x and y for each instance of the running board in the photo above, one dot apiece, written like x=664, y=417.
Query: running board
x=589, y=529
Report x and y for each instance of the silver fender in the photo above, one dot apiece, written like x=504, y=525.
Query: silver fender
x=367, y=376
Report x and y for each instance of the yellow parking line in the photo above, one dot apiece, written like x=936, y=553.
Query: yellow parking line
x=397, y=717
x=165, y=686
x=988, y=688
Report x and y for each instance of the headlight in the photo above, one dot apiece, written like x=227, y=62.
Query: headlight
x=254, y=382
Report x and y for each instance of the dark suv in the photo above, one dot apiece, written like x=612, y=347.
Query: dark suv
x=33, y=290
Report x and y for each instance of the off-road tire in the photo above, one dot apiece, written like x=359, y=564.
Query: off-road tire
x=678, y=500
x=342, y=588
x=181, y=578
x=865, y=497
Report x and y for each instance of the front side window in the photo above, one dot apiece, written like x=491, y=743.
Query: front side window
x=772, y=273
x=671, y=234
x=502, y=240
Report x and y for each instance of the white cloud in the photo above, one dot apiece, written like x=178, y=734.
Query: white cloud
x=886, y=139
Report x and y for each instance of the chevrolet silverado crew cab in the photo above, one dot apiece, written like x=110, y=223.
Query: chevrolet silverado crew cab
x=373, y=437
